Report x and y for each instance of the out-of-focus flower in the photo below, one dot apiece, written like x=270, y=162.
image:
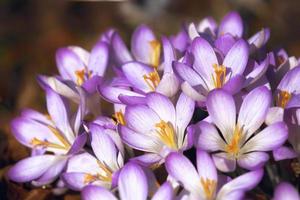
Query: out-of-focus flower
x=285, y=191
x=157, y=127
x=203, y=183
x=56, y=133
x=132, y=185
x=101, y=169
x=208, y=72
x=240, y=141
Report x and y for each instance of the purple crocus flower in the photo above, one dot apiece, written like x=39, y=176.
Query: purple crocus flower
x=56, y=133
x=132, y=185
x=208, y=73
x=137, y=78
x=286, y=191
x=101, y=170
x=203, y=183
x=240, y=140
x=157, y=127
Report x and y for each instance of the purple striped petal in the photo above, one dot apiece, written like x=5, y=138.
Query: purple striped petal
x=93, y=192
x=188, y=74
x=182, y=170
x=121, y=53
x=283, y=153
x=291, y=81
x=140, y=44
x=232, y=23
x=221, y=108
x=99, y=59
x=192, y=92
x=223, y=163
x=224, y=43
x=253, y=160
x=168, y=54
x=268, y=139
x=31, y=168
x=237, y=57
x=254, y=110
x=165, y=192
x=234, y=84
x=205, y=165
x=133, y=183
x=286, y=191
x=168, y=85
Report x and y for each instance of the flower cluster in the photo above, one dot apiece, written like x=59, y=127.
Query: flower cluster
x=205, y=114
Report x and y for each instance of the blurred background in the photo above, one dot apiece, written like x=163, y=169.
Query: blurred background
x=31, y=31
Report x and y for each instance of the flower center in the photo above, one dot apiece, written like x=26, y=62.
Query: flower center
x=283, y=98
x=81, y=75
x=166, y=133
x=119, y=118
x=209, y=187
x=219, y=75
x=155, y=54
x=37, y=142
x=233, y=147
x=152, y=79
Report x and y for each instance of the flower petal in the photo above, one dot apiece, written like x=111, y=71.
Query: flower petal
x=223, y=163
x=165, y=192
x=268, y=139
x=286, y=191
x=224, y=43
x=99, y=59
x=168, y=85
x=275, y=114
x=232, y=23
x=133, y=183
x=254, y=110
x=188, y=74
x=283, y=153
x=205, y=165
x=291, y=81
x=237, y=57
x=253, y=160
x=242, y=183
x=191, y=92
x=121, y=53
x=31, y=168
x=234, y=84
x=134, y=72
x=181, y=169
x=140, y=44
x=93, y=192
x=209, y=138
x=205, y=58
x=221, y=108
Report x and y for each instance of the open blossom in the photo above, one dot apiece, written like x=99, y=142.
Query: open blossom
x=286, y=191
x=208, y=72
x=101, y=169
x=56, y=133
x=132, y=185
x=203, y=184
x=137, y=78
x=240, y=140
x=157, y=127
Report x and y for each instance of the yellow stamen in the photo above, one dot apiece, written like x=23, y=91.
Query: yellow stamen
x=89, y=178
x=108, y=173
x=283, y=98
x=233, y=147
x=39, y=143
x=119, y=118
x=166, y=133
x=152, y=79
x=219, y=75
x=155, y=54
x=48, y=117
x=209, y=187
x=60, y=137
x=81, y=75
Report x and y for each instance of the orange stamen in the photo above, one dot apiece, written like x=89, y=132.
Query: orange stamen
x=283, y=98
x=155, y=54
x=152, y=79
x=209, y=187
x=166, y=133
x=219, y=75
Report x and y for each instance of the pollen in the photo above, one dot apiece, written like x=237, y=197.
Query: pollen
x=209, y=187
x=155, y=53
x=81, y=75
x=166, y=133
x=152, y=79
x=119, y=118
x=219, y=75
x=283, y=98
x=233, y=147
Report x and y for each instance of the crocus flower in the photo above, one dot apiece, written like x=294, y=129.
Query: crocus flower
x=208, y=73
x=286, y=191
x=132, y=185
x=240, y=140
x=157, y=127
x=101, y=169
x=138, y=79
x=56, y=133
x=203, y=184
